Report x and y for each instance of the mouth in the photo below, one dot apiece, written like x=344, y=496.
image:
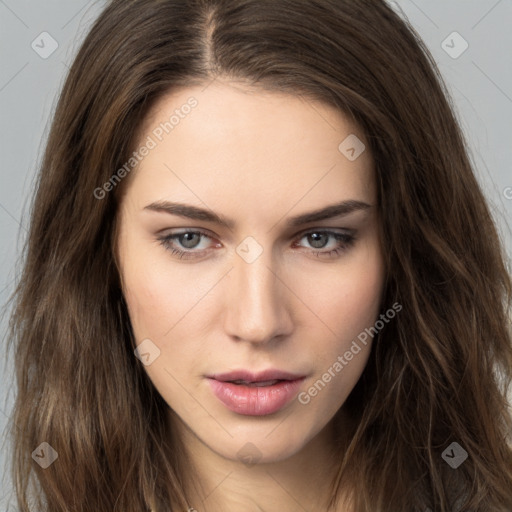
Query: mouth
x=255, y=384
x=246, y=376
x=255, y=394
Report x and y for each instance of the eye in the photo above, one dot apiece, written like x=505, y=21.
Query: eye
x=319, y=239
x=187, y=244
x=188, y=240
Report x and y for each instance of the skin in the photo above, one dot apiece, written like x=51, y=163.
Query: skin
x=257, y=158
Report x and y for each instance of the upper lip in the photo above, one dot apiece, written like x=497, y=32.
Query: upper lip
x=248, y=376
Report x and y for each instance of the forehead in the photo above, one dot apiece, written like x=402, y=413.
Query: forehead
x=226, y=141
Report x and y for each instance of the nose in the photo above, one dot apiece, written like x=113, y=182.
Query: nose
x=258, y=301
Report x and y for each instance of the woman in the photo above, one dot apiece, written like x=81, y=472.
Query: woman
x=261, y=274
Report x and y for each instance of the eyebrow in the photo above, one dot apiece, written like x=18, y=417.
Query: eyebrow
x=193, y=212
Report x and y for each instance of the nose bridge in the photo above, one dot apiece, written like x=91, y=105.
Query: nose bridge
x=256, y=309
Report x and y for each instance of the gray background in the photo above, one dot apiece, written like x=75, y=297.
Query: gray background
x=479, y=80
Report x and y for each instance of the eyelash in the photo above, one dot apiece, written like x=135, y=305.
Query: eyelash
x=345, y=241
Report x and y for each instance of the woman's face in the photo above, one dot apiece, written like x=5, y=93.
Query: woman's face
x=249, y=251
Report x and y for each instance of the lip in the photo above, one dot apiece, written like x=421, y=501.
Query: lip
x=255, y=400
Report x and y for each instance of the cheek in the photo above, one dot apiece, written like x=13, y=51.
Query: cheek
x=348, y=300
x=166, y=307
x=157, y=304
x=158, y=298
x=349, y=309
x=358, y=305
x=146, y=302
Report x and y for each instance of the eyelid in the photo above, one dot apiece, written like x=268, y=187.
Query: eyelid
x=179, y=231
x=325, y=229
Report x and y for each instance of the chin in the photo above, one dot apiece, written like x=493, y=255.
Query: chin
x=264, y=445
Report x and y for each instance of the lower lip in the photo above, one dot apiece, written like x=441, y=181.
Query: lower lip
x=253, y=400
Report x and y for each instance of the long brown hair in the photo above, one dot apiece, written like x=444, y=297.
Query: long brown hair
x=438, y=374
